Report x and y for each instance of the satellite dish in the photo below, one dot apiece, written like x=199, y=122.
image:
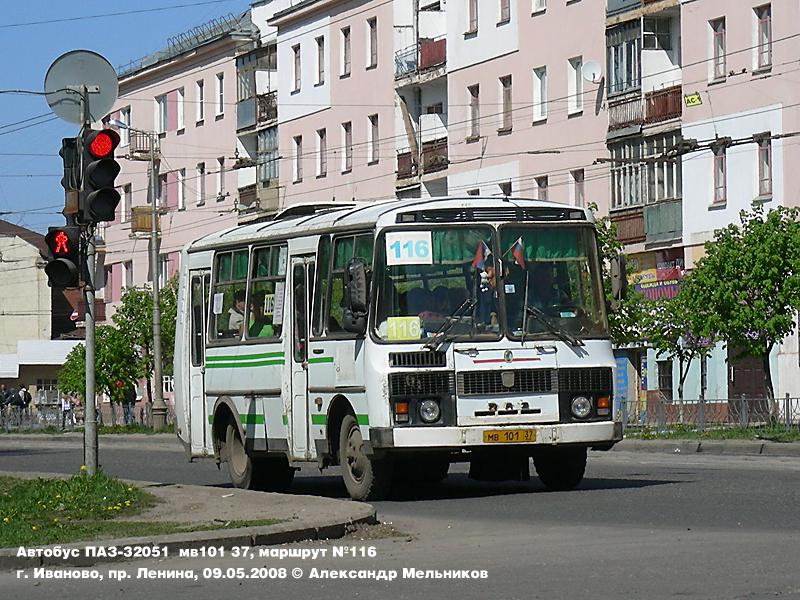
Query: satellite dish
x=72, y=70
x=592, y=72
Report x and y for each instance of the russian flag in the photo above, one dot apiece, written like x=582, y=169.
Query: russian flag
x=482, y=252
x=518, y=252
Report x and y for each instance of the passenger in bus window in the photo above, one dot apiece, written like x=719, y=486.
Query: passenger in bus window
x=258, y=325
x=236, y=313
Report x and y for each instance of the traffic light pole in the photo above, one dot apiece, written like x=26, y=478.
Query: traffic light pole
x=159, y=407
x=90, y=449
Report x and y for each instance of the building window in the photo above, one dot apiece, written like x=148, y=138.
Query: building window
x=245, y=78
x=163, y=269
x=127, y=269
x=180, y=98
x=665, y=378
x=267, y=153
x=125, y=203
x=322, y=152
x=505, y=11
x=474, y=111
x=124, y=133
x=372, y=41
x=505, y=188
x=540, y=94
x=657, y=34
x=575, y=85
x=298, y=158
x=505, y=86
x=541, y=187
x=578, y=193
x=320, y=60
x=720, y=171
x=473, y=16
x=373, y=145
x=220, y=108
x=346, y=52
x=764, y=165
x=718, y=48
x=763, y=15
x=634, y=181
x=296, y=73
x=347, y=143
x=201, y=183
x=539, y=5
x=161, y=113
x=220, y=178
x=181, y=189
x=623, y=47
x=200, y=113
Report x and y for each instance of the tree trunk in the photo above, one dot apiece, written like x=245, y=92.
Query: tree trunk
x=773, y=405
x=113, y=413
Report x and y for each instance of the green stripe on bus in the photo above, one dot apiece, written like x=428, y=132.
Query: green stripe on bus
x=362, y=419
x=285, y=419
x=323, y=419
x=322, y=359
x=244, y=356
x=239, y=365
x=248, y=419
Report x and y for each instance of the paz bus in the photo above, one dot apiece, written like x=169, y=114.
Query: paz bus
x=395, y=338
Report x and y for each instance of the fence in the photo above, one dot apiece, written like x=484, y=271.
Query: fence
x=664, y=415
x=48, y=415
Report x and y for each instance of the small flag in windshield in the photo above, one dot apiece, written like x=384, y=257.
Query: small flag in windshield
x=482, y=252
x=518, y=252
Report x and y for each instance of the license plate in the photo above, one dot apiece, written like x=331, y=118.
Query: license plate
x=509, y=436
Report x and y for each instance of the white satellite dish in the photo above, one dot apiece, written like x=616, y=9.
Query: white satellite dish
x=592, y=72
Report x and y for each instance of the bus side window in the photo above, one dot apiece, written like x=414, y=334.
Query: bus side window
x=321, y=288
x=345, y=248
x=228, y=295
x=266, y=293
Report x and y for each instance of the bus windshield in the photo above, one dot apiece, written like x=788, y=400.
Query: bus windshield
x=428, y=280
x=554, y=271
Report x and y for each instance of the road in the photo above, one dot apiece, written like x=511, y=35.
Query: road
x=640, y=526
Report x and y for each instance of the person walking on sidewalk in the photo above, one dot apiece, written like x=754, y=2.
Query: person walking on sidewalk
x=66, y=412
x=128, y=403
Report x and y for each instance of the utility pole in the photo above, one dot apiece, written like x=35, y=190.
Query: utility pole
x=159, y=407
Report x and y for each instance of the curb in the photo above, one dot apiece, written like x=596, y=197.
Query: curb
x=713, y=447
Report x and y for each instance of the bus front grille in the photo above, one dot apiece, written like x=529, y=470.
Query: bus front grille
x=519, y=381
x=418, y=359
x=421, y=384
x=596, y=379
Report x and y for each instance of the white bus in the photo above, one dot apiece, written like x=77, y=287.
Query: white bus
x=395, y=338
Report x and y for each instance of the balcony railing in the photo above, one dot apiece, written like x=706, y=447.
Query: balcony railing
x=406, y=165
x=426, y=54
x=625, y=112
x=663, y=221
x=664, y=105
x=630, y=225
x=434, y=156
x=267, y=107
x=248, y=197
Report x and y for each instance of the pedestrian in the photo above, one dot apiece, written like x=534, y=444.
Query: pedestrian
x=128, y=404
x=4, y=399
x=66, y=411
x=25, y=396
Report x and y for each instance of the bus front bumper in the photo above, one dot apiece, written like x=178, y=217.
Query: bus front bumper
x=605, y=433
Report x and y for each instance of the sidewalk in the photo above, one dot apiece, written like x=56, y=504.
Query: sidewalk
x=301, y=518
x=729, y=447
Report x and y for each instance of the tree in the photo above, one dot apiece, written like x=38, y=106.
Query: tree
x=114, y=361
x=749, y=282
x=677, y=328
x=134, y=318
x=626, y=321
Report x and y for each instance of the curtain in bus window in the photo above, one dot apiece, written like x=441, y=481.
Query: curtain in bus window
x=229, y=294
x=453, y=246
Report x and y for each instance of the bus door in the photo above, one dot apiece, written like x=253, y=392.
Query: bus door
x=198, y=412
x=302, y=285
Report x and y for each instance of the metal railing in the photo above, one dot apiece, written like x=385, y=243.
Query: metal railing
x=664, y=105
x=49, y=415
x=664, y=415
x=625, y=111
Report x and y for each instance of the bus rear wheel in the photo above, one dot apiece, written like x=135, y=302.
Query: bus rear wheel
x=365, y=477
x=271, y=474
x=560, y=469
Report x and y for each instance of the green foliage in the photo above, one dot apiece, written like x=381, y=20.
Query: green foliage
x=114, y=361
x=134, y=318
x=749, y=281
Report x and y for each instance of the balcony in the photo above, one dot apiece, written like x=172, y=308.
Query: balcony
x=616, y=7
x=256, y=111
x=663, y=221
x=248, y=197
x=434, y=156
x=630, y=225
x=625, y=111
x=406, y=165
x=664, y=105
x=423, y=58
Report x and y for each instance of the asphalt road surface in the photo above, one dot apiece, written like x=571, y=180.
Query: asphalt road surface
x=641, y=525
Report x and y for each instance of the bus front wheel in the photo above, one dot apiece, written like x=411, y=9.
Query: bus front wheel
x=365, y=477
x=560, y=469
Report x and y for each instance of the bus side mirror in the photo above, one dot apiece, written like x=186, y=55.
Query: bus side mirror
x=619, y=281
x=355, y=296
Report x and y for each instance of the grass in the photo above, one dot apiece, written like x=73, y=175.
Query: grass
x=47, y=511
x=775, y=433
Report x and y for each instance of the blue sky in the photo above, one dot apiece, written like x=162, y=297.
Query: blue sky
x=30, y=190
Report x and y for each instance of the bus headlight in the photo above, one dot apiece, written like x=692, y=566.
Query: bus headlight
x=429, y=411
x=581, y=407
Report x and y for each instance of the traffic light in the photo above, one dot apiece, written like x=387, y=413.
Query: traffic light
x=98, y=199
x=72, y=165
x=64, y=244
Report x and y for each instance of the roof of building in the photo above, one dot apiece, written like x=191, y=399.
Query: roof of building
x=367, y=214
x=34, y=352
x=33, y=238
x=208, y=32
x=294, y=8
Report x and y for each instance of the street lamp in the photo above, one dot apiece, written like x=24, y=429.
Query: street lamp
x=159, y=406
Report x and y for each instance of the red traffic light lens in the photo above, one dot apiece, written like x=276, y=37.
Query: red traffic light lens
x=101, y=145
x=60, y=244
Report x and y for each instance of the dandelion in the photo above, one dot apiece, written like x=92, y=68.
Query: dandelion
x=6, y=519
x=55, y=520
x=83, y=467
x=130, y=489
x=127, y=502
x=34, y=528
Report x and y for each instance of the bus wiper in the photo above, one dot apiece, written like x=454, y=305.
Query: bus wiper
x=562, y=335
x=438, y=337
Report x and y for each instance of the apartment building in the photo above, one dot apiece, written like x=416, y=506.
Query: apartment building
x=336, y=99
x=186, y=94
